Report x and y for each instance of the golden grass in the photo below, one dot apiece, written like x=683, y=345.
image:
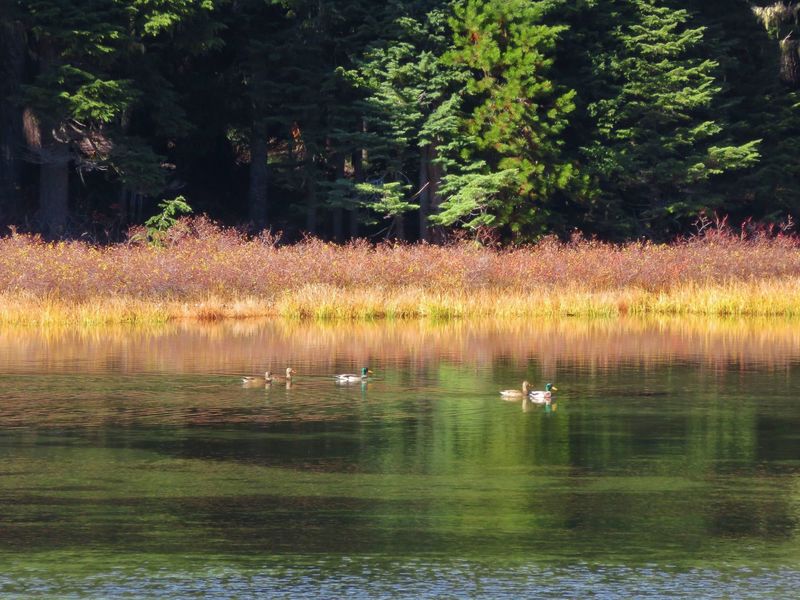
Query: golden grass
x=24, y=308
x=210, y=273
x=776, y=297
x=753, y=298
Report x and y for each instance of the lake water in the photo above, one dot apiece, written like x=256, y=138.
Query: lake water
x=133, y=463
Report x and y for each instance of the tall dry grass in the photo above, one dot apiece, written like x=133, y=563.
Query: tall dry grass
x=205, y=271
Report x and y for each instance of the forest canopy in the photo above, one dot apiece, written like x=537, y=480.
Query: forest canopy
x=413, y=119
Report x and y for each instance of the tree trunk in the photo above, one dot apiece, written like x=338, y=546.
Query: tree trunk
x=424, y=196
x=54, y=185
x=311, y=205
x=338, y=224
x=430, y=174
x=131, y=206
x=53, y=158
x=399, y=227
x=259, y=177
x=338, y=211
x=358, y=177
x=12, y=64
x=304, y=162
x=435, y=178
x=790, y=62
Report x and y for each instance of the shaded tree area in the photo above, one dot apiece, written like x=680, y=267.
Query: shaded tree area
x=412, y=119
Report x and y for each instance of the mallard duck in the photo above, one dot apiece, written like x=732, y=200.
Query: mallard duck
x=266, y=379
x=514, y=394
x=543, y=396
x=287, y=378
x=352, y=377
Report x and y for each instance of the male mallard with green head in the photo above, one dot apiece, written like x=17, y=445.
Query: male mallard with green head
x=352, y=377
x=543, y=396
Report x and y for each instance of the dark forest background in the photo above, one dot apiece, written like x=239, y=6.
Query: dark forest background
x=413, y=119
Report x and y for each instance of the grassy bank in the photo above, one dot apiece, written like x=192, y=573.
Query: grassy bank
x=765, y=298
x=205, y=272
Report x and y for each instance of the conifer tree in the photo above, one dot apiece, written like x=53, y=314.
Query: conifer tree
x=83, y=90
x=780, y=19
x=74, y=94
x=623, y=118
x=660, y=136
x=12, y=67
x=290, y=94
x=342, y=30
x=508, y=166
x=762, y=74
x=409, y=89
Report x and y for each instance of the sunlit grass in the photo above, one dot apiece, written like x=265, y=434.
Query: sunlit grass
x=754, y=298
x=323, y=302
x=207, y=272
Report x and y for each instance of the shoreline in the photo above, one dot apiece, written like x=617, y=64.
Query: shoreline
x=758, y=298
x=209, y=273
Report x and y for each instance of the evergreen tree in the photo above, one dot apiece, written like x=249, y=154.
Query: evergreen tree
x=168, y=39
x=761, y=60
x=410, y=89
x=508, y=167
x=780, y=19
x=12, y=67
x=287, y=96
x=343, y=29
x=74, y=94
x=660, y=136
x=82, y=92
x=619, y=117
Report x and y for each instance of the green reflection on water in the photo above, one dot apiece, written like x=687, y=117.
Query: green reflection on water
x=653, y=453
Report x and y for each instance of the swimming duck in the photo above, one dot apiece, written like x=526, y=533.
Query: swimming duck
x=351, y=377
x=514, y=394
x=288, y=377
x=543, y=396
x=266, y=379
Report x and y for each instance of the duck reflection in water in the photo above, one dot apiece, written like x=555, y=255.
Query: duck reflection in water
x=549, y=406
x=286, y=379
x=268, y=379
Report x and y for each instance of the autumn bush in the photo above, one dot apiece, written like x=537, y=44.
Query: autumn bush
x=201, y=263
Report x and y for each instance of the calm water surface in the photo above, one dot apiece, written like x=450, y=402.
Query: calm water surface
x=134, y=464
